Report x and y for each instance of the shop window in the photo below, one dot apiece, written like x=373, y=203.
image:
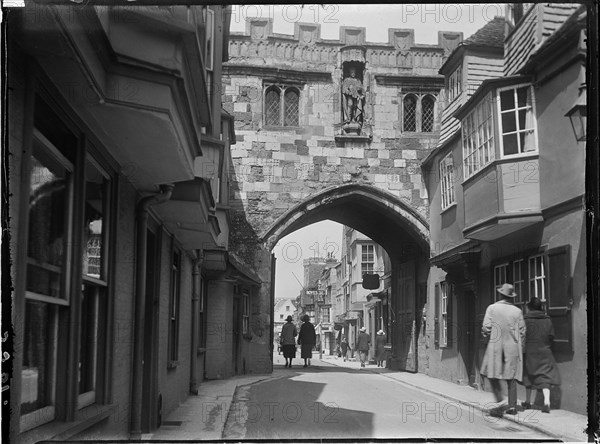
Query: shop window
x=66, y=275
x=282, y=105
x=546, y=276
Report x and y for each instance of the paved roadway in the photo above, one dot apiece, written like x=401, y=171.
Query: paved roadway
x=327, y=401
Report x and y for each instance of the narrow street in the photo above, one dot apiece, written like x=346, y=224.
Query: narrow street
x=331, y=401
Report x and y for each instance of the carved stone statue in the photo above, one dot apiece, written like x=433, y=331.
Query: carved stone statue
x=353, y=97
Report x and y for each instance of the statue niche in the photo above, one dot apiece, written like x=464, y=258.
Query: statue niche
x=353, y=97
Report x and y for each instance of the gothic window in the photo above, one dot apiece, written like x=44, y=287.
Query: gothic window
x=272, y=106
x=291, y=101
x=427, y=115
x=418, y=113
x=410, y=113
x=282, y=106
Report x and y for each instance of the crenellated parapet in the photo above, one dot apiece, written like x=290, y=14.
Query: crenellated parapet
x=306, y=45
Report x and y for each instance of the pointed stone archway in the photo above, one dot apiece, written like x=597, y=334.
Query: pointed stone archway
x=388, y=221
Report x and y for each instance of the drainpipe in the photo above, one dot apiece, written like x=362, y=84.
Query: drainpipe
x=140, y=305
x=196, y=290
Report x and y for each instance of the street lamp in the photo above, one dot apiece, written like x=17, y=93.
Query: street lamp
x=578, y=115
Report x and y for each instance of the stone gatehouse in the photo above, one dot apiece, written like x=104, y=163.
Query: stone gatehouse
x=333, y=129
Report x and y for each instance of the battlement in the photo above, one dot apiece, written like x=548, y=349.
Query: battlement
x=261, y=29
x=306, y=45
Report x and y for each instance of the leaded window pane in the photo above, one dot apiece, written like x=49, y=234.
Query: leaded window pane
x=427, y=116
x=410, y=113
x=291, y=107
x=272, y=107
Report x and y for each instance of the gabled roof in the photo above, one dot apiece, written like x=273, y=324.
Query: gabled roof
x=491, y=37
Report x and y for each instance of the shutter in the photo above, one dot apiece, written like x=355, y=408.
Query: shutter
x=559, y=296
x=436, y=319
x=449, y=317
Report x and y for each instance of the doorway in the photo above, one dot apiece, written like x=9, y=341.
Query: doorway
x=467, y=337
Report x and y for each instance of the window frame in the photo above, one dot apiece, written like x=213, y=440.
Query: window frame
x=445, y=295
x=174, y=305
x=472, y=147
x=406, y=96
x=367, y=261
x=282, y=89
x=64, y=372
x=454, y=84
x=447, y=194
x=245, y=312
x=518, y=131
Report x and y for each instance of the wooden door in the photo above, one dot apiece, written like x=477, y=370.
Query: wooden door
x=406, y=318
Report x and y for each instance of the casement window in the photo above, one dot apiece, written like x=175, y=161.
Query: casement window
x=174, y=301
x=245, y=312
x=66, y=273
x=537, y=277
x=546, y=276
x=325, y=314
x=517, y=126
x=418, y=113
x=443, y=314
x=478, y=137
x=287, y=308
x=367, y=264
x=282, y=105
x=447, y=181
x=454, y=85
x=281, y=317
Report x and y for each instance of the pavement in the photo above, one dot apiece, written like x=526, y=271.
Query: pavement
x=203, y=417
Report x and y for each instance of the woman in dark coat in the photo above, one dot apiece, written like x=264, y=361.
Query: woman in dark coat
x=541, y=371
x=307, y=338
x=380, y=341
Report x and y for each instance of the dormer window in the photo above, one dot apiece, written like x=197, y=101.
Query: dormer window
x=455, y=84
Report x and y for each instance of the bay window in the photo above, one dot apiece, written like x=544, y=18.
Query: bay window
x=516, y=122
x=478, y=137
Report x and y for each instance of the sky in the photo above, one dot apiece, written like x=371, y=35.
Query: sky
x=425, y=19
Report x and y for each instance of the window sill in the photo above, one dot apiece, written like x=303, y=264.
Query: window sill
x=172, y=365
x=280, y=128
x=61, y=431
x=200, y=351
x=448, y=208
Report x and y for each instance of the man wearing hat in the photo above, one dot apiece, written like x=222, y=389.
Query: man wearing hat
x=362, y=345
x=288, y=343
x=504, y=326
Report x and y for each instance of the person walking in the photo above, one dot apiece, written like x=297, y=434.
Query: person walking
x=380, y=341
x=344, y=348
x=540, y=371
x=288, y=341
x=307, y=340
x=504, y=326
x=362, y=345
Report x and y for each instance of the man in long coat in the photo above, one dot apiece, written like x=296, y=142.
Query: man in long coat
x=504, y=325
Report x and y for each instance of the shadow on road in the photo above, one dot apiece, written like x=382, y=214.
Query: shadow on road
x=284, y=408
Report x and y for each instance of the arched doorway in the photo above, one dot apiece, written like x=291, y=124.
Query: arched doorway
x=392, y=224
